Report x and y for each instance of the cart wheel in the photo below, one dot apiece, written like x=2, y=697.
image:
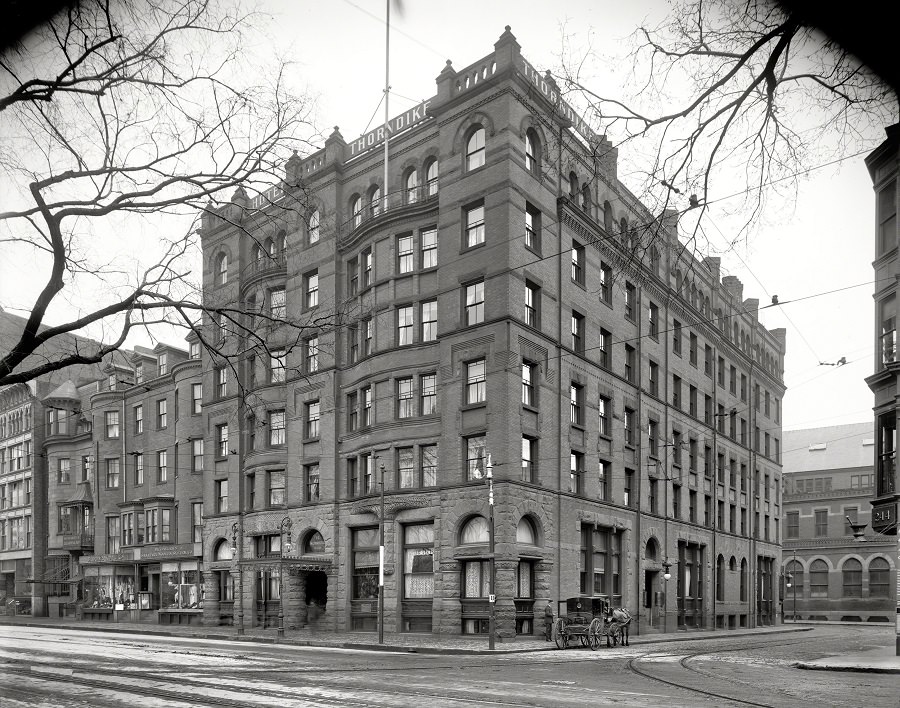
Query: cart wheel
x=584, y=639
x=594, y=632
x=560, y=631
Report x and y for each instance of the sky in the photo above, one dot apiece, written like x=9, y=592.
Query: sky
x=814, y=253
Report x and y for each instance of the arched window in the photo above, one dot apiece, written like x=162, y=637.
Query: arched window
x=431, y=178
x=314, y=227
x=475, y=149
x=223, y=551
x=652, y=550
x=586, y=198
x=258, y=252
x=735, y=330
x=879, y=578
x=375, y=201
x=525, y=532
x=412, y=187
x=607, y=217
x=573, y=185
x=818, y=579
x=356, y=209
x=743, y=580
x=623, y=229
x=281, y=242
x=314, y=543
x=269, y=247
x=720, y=579
x=852, y=577
x=475, y=531
x=532, y=152
x=222, y=269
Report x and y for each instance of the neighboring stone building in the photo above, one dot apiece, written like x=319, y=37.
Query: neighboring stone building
x=504, y=298
x=24, y=471
x=828, y=478
x=884, y=169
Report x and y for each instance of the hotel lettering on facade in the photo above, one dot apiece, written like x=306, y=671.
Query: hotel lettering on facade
x=507, y=296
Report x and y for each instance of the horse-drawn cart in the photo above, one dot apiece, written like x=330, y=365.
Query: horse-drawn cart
x=583, y=622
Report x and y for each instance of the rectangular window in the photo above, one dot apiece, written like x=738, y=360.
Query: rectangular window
x=605, y=350
x=577, y=263
x=277, y=303
x=630, y=301
x=821, y=521
x=405, y=254
x=721, y=372
x=196, y=398
x=162, y=362
x=577, y=327
x=312, y=355
x=112, y=473
x=629, y=363
x=63, y=471
x=653, y=492
x=161, y=414
x=475, y=457
x=367, y=264
x=112, y=534
x=474, y=303
x=532, y=228
x=792, y=526
x=418, y=561
x=197, y=455
x=352, y=277
x=629, y=424
x=601, y=563
x=138, y=420
x=406, y=477
x=197, y=521
x=312, y=421
x=603, y=472
x=693, y=349
x=364, y=559
x=429, y=321
x=311, y=289
x=605, y=408
x=628, y=489
x=162, y=466
x=474, y=221
x=352, y=412
x=676, y=337
x=276, y=487
x=277, y=362
x=112, y=424
x=606, y=283
x=221, y=488
x=353, y=343
x=429, y=465
x=138, y=468
x=576, y=404
x=368, y=336
x=529, y=459
x=528, y=393
x=428, y=393
x=708, y=361
x=676, y=392
x=653, y=438
x=311, y=482
x=743, y=387
x=532, y=304
x=654, y=378
x=405, y=399
x=576, y=472
x=366, y=402
x=653, y=320
x=732, y=381
x=222, y=440
x=404, y=325
x=692, y=401
x=887, y=217
x=429, y=248
x=475, y=382
x=221, y=382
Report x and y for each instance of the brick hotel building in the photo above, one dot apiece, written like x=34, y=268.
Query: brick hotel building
x=505, y=297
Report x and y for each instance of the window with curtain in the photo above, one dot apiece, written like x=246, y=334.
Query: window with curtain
x=476, y=578
x=475, y=531
x=418, y=561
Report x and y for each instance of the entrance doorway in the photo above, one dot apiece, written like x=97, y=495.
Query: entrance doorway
x=317, y=588
x=652, y=597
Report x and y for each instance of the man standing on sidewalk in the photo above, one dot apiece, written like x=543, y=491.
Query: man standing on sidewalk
x=548, y=621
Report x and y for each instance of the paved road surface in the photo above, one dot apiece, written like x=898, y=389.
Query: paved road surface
x=49, y=668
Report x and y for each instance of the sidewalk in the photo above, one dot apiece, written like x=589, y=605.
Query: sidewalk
x=881, y=660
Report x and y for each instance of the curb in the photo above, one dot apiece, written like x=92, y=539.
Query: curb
x=844, y=667
x=403, y=649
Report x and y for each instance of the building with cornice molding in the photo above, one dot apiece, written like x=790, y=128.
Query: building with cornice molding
x=503, y=298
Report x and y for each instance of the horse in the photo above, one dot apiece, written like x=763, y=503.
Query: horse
x=617, y=621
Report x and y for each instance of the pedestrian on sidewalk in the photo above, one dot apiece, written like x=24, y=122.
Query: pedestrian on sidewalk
x=312, y=616
x=548, y=621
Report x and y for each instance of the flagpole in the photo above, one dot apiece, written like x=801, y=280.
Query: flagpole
x=387, y=88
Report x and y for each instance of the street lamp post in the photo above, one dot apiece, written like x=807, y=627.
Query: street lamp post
x=236, y=555
x=381, y=562
x=286, y=547
x=492, y=597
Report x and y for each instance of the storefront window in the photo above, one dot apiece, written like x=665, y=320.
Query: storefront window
x=181, y=589
x=418, y=565
x=110, y=588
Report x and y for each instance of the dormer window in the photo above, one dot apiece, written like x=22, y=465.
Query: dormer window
x=163, y=361
x=138, y=373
